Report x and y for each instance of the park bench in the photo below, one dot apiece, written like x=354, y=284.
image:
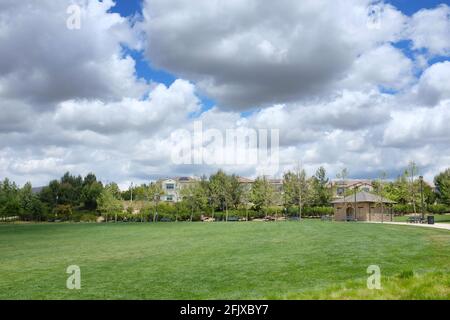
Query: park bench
x=232, y=219
x=415, y=220
x=326, y=218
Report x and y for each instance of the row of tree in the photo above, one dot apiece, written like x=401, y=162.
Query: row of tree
x=409, y=190
x=220, y=192
x=63, y=195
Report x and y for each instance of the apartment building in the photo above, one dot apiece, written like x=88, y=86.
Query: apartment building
x=173, y=186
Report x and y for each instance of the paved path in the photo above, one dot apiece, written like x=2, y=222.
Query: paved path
x=438, y=225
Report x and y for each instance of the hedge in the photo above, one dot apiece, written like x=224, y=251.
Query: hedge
x=438, y=209
x=311, y=211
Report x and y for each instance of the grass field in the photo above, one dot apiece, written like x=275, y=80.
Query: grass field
x=285, y=260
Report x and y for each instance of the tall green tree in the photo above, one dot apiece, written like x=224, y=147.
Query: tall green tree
x=154, y=193
x=296, y=189
x=195, y=198
x=70, y=189
x=262, y=194
x=91, y=190
x=108, y=203
x=398, y=190
x=235, y=191
x=50, y=194
x=219, y=188
x=442, y=183
x=411, y=172
x=321, y=194
x=9, y=199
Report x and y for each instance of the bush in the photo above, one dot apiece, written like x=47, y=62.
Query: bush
x=311, y=211
x=438, y=209
x=62, y=212
x=88, y=217
x=401, y=209
x=272, y=211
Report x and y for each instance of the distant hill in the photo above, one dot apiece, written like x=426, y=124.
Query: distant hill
x=37, y=190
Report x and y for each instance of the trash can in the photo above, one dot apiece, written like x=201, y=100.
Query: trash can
x=430, y=219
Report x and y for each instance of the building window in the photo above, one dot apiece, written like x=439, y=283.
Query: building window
x=169, y=198
x=170, y=186
x=340, y=191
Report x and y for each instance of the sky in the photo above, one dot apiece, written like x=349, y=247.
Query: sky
x=357, y=84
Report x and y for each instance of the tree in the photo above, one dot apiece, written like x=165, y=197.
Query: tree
x=235, y=191
x=320, y=193
x=30, y=206
x=50, y=194
x=442, y=183
x=398, y=190
x=296, y=189
x=9, y=199
x=429, y=195
x=411, y=173
x=219, y=187
x=155, y=192
x=380, y=192
x=70, y=189
x=108, y=203
x=195, y=197
x=90, y=191
x=262, y=194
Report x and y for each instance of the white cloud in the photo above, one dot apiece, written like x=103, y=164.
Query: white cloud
x=254, y=53
x=430, y=29
x=71, y=100
x=434, y=84
x=164, y=109
x=383, y=66
x=44, y=62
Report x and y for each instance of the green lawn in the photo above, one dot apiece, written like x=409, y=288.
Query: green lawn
x=246, y=260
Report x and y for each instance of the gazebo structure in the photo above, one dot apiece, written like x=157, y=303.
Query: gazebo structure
x=363, y=206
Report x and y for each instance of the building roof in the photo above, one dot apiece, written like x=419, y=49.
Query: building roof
x=363, y=197
x=349, y=182
x=245, y=180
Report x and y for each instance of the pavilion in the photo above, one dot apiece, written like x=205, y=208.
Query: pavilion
x=363, y=206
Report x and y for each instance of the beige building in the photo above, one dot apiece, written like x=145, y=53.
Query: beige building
x=363, y=206
x=172, y=187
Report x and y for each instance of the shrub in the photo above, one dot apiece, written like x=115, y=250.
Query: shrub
x=88, y=217
x=275, y=210
x=62, y=212
x=402, y=208
x=438, y=209
x=311, y=211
